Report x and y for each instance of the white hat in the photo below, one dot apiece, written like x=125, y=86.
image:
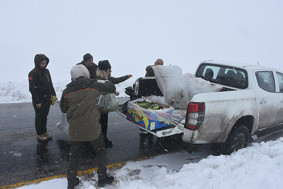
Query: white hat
x=79, y=71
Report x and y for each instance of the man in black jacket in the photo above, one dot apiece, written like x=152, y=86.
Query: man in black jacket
x=43, y=94
x=88, y=63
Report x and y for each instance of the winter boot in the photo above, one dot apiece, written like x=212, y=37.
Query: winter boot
x=48, y=136
x=42, y=138
x=71, y=185
x=108, y=143
x=105, y=181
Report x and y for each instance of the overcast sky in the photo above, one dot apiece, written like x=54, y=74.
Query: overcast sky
x=133, y=34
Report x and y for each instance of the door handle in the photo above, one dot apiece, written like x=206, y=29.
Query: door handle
x=262, y=102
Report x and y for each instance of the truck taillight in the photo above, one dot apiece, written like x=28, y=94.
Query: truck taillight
x=195, y=115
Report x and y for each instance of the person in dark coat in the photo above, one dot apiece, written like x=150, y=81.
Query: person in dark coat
x=104, y=73
x=79, y=100
x=43, y=95
x=149, y=70
x=88, y=63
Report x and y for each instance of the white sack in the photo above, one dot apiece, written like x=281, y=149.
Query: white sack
x=171, y=82
x=197, y=85
x=157, y=99
x=63, y=125
x=178, y=88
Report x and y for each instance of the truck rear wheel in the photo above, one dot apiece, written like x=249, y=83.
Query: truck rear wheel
x=239, y=138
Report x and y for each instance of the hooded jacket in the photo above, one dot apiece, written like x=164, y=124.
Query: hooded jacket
x=79, y=101
x=149, y=71
x=40, y=82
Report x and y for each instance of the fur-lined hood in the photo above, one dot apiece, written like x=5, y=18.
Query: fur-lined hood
x=102, y=74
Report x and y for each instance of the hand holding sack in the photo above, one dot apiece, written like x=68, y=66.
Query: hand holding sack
x=107, y=103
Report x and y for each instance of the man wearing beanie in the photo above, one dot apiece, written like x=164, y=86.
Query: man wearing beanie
x=104, y=73
x=88, y=63
x=79, y=101
x=43, y=95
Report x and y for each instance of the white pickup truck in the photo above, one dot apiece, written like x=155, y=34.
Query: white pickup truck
x=251, y=100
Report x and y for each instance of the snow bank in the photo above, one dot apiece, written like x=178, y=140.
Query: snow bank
x=18, y=92
x=259, y=166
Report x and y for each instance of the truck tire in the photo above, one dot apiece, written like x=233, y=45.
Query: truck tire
x=239, y=138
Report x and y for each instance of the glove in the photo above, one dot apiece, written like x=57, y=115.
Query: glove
x=53, y=100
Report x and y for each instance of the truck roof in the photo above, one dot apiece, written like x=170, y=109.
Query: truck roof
x=244, y=65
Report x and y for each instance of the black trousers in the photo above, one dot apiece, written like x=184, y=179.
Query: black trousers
x=41, y=117
x=100, y=160
x=104, y=123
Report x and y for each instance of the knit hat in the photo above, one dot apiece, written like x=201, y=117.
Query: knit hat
x=79, y=70
x=104, y=65
x=87, y=57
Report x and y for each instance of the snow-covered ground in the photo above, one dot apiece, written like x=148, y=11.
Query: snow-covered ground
x=259, y=166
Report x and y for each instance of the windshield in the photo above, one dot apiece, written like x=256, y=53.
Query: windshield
x=224, y=75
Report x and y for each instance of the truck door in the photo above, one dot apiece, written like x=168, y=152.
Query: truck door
x=267, y=99
x=279, y=114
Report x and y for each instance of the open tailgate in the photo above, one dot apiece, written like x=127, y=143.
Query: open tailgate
x=147, y=86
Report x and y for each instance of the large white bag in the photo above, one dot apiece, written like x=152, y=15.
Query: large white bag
x=178, y=88
x=171, y=82
x=197, y=85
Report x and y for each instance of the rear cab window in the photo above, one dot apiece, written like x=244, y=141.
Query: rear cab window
x=223, y=75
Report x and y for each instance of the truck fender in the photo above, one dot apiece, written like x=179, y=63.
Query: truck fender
x=246, y=120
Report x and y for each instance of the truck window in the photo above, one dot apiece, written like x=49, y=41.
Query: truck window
x=208, y=73
x=223, y=75
x=280, y=81
x=265, y=80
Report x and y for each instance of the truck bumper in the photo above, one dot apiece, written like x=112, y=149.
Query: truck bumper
x=195, y=137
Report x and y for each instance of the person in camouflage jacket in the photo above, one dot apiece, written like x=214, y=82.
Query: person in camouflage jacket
x=79, y=100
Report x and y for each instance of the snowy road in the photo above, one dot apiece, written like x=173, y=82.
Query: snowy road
x=23, y=159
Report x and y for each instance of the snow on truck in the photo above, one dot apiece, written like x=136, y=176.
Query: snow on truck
x=223, y=104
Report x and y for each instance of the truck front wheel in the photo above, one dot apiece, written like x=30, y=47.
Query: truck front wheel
x=239, y=138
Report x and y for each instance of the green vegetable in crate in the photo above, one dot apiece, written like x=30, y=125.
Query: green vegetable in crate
x=148, y=105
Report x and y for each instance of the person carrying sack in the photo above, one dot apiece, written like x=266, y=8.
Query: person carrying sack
x=104, y=73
